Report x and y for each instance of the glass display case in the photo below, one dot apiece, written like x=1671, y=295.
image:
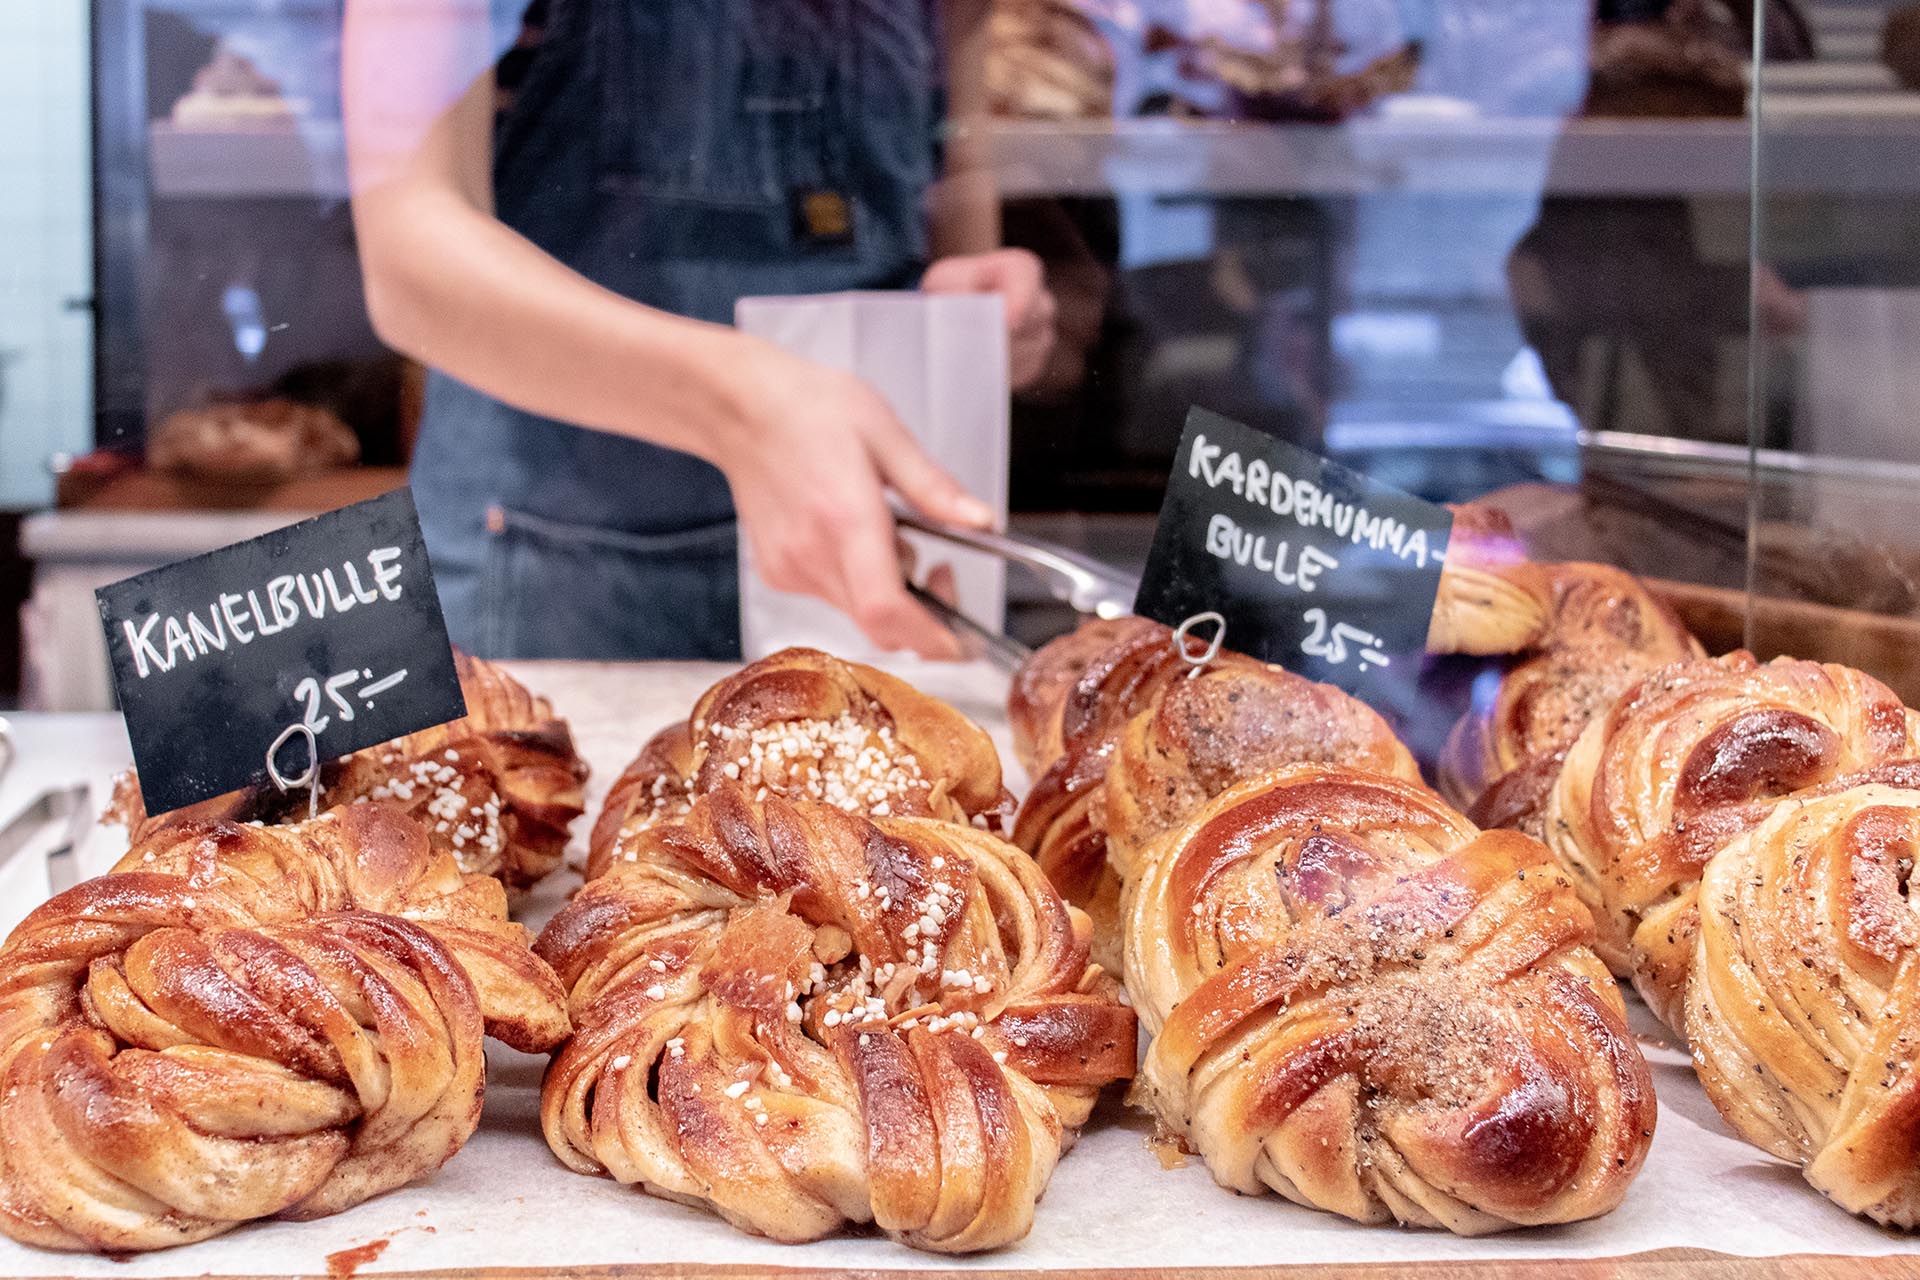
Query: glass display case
x=228, y=273
x=1641, y=272
x=1464, y=247
x=1537, y=264
x=1451, y=834
x=1837, y=148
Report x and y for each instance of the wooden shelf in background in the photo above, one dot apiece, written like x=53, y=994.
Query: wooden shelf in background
x=143, y=490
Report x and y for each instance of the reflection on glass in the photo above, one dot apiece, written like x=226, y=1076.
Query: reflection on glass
x=1469, y=246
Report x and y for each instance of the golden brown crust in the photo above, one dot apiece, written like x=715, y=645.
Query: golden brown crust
x=496, y=789
x=1490, y=600
x=803, y=1018
x=1043, y=683
x=656, y=787
x=517, y=783
x=1204, y=735
x=1605, y=631
x=239, y=1022
x=804, y=723
x=1801, y=1006
x=1145, y=739
x=1365, y=1004
x=1687, y=759
x=1059, y=821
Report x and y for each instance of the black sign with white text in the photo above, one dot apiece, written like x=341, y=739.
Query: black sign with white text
x=1315, y=567
x=332, y=622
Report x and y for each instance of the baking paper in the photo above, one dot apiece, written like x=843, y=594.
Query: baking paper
x=504, y=1201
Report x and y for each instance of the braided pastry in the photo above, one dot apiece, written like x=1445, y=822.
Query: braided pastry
x=655, y=788
x=1222, y=727
x=1061, y=821
x=497, y=788
x=500, y=786
x=1604, y=632
x=801, y=722
x=1364, y=1003
x=1044, y=682
x=243, y=1022
x=803, y=1017
x=1683, y=762
x=1803, y=1007
x=1490, y=600
x=1174, y=737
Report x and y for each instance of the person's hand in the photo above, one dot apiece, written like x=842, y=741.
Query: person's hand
x=1782, y=309
x=1016, y=275
x=810, y=455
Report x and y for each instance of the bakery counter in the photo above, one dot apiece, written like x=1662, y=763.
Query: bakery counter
x=1705, y=1204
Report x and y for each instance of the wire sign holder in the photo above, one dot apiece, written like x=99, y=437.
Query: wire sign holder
x=1198, y=662
x=310, y=778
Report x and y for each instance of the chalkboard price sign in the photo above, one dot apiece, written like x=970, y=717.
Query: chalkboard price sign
x=1314, y=566
x=332, y=623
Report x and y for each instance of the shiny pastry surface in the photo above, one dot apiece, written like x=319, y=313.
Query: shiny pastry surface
x=1365, y=1004
x=1117, y=667
x=1222, y=727
x=500, y=787
x=1145, y=737
x=1490, y=600
x=1043, y=684
x=241, y=1022
x=806, y=1018
x=1687, y=759
x=1803, y=1005
x=803, y=723
x=1578, y=635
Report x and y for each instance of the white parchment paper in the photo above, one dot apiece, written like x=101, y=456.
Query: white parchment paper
x=504, y=1201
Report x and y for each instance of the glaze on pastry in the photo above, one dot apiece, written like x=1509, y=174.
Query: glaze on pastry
x=1362, y=1002
x=1803, y=1004
x=1688, y=758
x=803, y=723
x=242, y=1022
x=1176, y=736
x=805, y=1018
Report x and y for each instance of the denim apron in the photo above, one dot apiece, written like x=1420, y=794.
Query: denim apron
x=683, y=153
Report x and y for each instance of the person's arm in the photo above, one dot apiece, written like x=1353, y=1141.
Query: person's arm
x=808, y=451
x=963, y=209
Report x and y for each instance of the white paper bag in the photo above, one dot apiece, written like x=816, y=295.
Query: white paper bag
x=941, y=362
x=1859, y=386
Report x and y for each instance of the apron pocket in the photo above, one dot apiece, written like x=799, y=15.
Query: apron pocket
x=559, y=590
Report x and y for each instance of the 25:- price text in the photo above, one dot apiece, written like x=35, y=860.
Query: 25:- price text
x=340, y=689
x=1336, y=643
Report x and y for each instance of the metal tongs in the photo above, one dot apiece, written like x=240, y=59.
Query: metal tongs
x=1083, y=583
x=64, y=808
